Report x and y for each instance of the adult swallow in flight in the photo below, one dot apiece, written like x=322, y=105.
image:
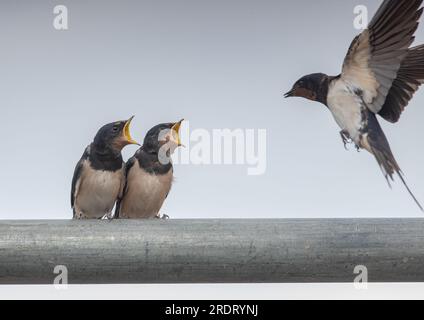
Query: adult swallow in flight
x=99, y=176
x=380, y=75
x=149, y=174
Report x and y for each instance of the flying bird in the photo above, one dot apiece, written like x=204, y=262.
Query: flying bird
x=99, y=176
x=149, y=174
x=380, y=75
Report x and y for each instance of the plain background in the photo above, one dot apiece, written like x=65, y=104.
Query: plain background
x=238, y=292
x=220, y=64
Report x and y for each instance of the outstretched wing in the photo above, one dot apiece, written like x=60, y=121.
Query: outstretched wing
x=410, y=77
x=376, y=55
x=130, y=163
x=76, y=180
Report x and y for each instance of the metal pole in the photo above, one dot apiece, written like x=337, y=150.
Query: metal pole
x=211, y=251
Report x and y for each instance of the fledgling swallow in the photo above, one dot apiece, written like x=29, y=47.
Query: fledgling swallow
x=380, y=75
x=149, y=174
x=99, y=176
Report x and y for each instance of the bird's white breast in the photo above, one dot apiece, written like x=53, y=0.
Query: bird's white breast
x=98, y=191
x=346, y=108
x=145, y=193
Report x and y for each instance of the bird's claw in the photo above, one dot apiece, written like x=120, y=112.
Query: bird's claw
x=345, y=138
x=358, y=148
x=163, y=217
x=348, y=140
x=107, y=217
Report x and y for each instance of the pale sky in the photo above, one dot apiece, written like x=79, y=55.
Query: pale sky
x=220, y=64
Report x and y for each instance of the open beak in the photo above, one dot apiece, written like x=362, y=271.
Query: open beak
x=127, y=133
x=289, y=94
x=176, y=133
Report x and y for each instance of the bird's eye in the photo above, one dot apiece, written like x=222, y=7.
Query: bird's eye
x=115, y=128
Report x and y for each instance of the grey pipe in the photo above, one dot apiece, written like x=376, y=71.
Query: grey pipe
x=211, y=251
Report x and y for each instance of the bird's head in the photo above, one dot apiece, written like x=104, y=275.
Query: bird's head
x=312, y=87
x=163, y=137
x=115, y=135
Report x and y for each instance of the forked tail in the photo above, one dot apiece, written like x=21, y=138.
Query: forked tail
x=400, y=174
x=380, y=148
x=389, y=166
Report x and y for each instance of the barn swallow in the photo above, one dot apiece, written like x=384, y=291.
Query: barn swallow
x=380, y=75
x=99, y=176
x=149, y=174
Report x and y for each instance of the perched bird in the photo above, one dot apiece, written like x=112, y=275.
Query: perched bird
x=380, y=75
x=99, y=175
x=149, y=174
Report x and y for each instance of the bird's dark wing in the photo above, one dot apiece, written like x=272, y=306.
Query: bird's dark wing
x=130, y=163
x=409, y=78
x=375, y=56
x=76, y=180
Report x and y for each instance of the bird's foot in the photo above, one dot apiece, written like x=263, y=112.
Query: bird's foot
x=108, y=217
x=345, y=138
x=163, y=217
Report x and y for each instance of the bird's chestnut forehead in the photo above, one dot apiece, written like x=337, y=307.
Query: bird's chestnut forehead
x=307, y=93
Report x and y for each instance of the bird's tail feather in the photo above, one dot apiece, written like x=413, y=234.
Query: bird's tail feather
x=400, y=174
x=375, y=141
x=117, y=209
x=390, y=167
